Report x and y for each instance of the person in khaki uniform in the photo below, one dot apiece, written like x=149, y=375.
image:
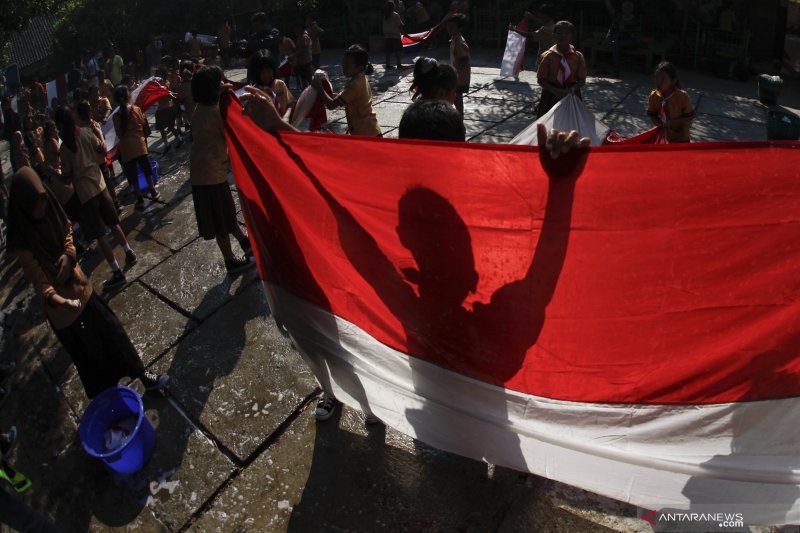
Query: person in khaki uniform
x=39, y=234
x=669, y=105
x=81, y=152
x=356, y=98
x=129, y=126
x=562, y=69
x=208, y=172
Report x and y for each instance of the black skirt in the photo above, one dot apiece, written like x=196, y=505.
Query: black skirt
x=99, y=347
x=214, y=209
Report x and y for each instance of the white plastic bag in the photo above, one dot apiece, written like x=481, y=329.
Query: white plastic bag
x=306, y=100
x=568, y=114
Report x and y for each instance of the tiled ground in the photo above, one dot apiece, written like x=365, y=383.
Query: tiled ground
x=238, y=448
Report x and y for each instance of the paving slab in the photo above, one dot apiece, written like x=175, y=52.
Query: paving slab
x=149, y=253
x=509, y=91
x=742, y=109
x=174, y=225
x=49, y=453
x=263, y=496
x=550, y=506
x=626, y=124
x=185, y=470
x=238, y=375
x=152, y=325
x=491, y=110
x=476, y=127
x=513, y=125
x=195, y=279
x=390, y=113
x=713, y=128
x=635, y=103
x=410, y=486
x=492, y=137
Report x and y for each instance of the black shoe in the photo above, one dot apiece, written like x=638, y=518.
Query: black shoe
x=7, y=440
x=139, y=205
x=326, y=407
x=179, y=143
x=154, y=381
x=237, y=264
x=167, y=149
x=246, y=248
x=130, y=258
x=117, y=278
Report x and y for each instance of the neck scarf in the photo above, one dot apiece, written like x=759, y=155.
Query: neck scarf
x=564, y=76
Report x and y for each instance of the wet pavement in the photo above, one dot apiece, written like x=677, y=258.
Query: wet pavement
x=238, y=448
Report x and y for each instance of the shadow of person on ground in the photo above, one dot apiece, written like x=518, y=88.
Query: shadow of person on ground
x=365, y=483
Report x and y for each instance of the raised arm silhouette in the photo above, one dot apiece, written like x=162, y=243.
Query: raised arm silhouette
x=490, y=341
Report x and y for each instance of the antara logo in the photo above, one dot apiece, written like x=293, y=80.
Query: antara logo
x=650, y=517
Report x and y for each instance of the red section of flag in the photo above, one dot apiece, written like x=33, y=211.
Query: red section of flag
x=413, y=39
x=657, y=135
x=653, y=274
x=152, y=92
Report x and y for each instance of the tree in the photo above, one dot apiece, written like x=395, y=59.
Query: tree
x=17, y=15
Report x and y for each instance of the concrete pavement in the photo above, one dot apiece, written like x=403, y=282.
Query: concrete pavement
x=238, y=447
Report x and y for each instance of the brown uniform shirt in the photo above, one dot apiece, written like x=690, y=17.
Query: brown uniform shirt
x=549, y=67
x=208, y=161
x=81, y=166
x=132, y=143
x=77, y=287
x=357, y=99
x=676, y=105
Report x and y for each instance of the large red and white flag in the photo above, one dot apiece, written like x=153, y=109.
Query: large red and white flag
x=628, y=323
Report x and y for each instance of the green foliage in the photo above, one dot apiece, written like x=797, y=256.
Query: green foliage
x=17, y=14
x=93, y=24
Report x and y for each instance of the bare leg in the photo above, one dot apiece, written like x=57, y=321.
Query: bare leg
x=120, y=235
x=224, y=243
x=105, y=247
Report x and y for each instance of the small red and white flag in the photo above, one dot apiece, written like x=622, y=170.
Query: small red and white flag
x=146, y=95
x=628, y=324
x=412, y=40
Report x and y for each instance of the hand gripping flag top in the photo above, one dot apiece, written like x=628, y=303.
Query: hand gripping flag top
x=627, y=322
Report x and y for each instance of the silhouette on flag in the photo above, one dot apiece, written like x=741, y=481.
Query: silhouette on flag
x=625, y=319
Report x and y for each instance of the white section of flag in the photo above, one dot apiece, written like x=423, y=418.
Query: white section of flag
x=653, y=456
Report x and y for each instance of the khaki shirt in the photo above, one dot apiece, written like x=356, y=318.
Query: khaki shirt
x=132, y=143
x=62, y=190
x=357, y=99
x=676, y=105
x=549, y=64
x=77, y=287
x=82, y=166
x=208, y=161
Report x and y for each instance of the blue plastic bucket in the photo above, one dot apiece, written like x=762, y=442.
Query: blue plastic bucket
x=111, y=407
x=143, y=185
